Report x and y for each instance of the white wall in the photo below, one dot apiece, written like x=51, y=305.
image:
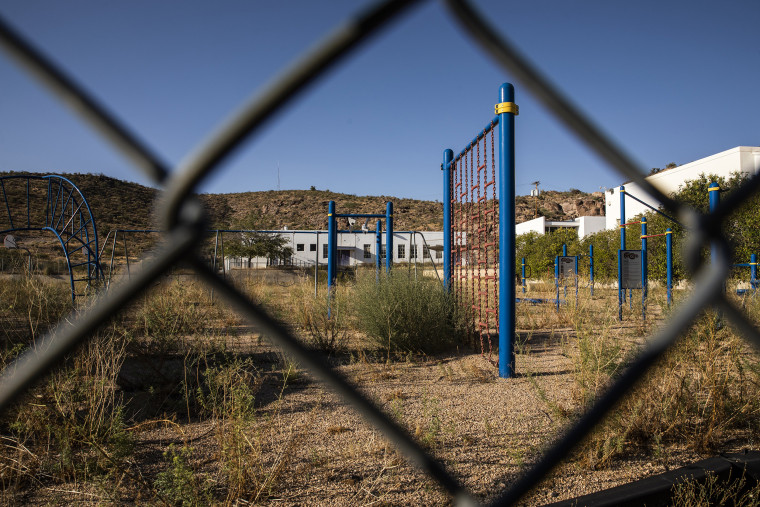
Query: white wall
x=745, y=159
x=536, y=225
x=590, y=225
x=584, y=225
x=353, y=243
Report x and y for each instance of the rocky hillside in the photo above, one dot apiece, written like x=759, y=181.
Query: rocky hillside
x=121, y=204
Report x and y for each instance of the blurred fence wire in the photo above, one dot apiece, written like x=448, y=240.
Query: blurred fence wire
x=183, y=217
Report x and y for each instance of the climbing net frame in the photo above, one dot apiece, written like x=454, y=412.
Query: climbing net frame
x=474, y=255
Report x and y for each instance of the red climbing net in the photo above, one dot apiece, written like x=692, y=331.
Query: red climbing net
x=475, y=233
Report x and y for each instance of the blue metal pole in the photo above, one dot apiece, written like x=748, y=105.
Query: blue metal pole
x=622, y=217
x=448, y=157
x=669, y=261
x=564, y=282
x=622, y=231
x=388, y=236
x=621, y=291
x=507, y=110
x=713, y=190
x=556, y=278
x=331, y=239
x=576, y=280
x=644, y=273
x=591, y=268
x=753, y=271
x=378, y=250
x=523, y=275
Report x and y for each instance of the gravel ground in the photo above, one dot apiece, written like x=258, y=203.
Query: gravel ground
x=486, y=431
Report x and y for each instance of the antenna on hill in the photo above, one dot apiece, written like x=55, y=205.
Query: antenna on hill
x=535, y=193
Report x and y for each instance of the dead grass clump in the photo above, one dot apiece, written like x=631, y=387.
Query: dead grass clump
x=70, y=427
x=30, y=305
x=324, y=318
x=699, y=391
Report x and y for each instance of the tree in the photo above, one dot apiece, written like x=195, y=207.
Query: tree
x=252, y=243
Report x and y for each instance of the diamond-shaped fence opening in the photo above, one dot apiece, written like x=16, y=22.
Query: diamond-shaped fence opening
x=182, y=218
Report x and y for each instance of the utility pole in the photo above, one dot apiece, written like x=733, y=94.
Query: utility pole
x=535, y=193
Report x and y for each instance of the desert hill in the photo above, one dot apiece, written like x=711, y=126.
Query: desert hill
x=119, y=204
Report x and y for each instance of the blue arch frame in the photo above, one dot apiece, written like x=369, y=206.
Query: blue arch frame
x=67, y=215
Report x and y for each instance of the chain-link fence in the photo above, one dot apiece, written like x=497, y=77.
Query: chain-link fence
x=183, y=217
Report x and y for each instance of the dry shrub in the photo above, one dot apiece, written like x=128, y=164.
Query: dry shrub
x=325, y=319
x=164, y=318
x=30, y=305
x=401, y=314
x=700, y=389
x=253, y=461
x=71, y=426
x=715, y=490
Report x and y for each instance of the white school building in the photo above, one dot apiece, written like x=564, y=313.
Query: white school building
x=583, y=225
x=741, y=159
x=354, y=248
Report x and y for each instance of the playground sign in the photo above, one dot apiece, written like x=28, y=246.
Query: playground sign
x=566, y=266
x=631, y=273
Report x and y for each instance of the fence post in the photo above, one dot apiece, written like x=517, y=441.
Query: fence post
x=448, y=156
x=388, y=236
x=507, y=110
x=523, y=275
x=669, y=261
x=753, y=271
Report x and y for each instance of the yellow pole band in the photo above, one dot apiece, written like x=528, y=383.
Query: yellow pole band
x=506, y=107
x=668, y=232
x=713, y=189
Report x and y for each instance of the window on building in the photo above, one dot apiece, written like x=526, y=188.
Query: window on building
x=382, y=252
x=402, y=251
x=439, y=254
x=312, y=247
x=367, y=253
x=324, y=251
x=299, y=247
x=413, y=252
x=425, y=252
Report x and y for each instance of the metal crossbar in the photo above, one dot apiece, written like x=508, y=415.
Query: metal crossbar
x=183, y=218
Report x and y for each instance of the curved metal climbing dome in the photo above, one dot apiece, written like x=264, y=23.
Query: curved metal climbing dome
x=54, y=204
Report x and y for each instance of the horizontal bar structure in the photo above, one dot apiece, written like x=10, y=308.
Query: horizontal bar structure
x=183, y=218
x=494, y=122
x=359, y=215
x=654, y=209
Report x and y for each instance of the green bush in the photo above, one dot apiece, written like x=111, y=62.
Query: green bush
x=401, y=314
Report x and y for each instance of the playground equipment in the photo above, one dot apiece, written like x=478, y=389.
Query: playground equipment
x=54, y=204
x=565, y=268
x=632, y=264
x=332, y=239
x=479, y=249
x=753, y=282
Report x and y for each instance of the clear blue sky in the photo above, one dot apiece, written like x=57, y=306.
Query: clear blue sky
x=671, y=81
